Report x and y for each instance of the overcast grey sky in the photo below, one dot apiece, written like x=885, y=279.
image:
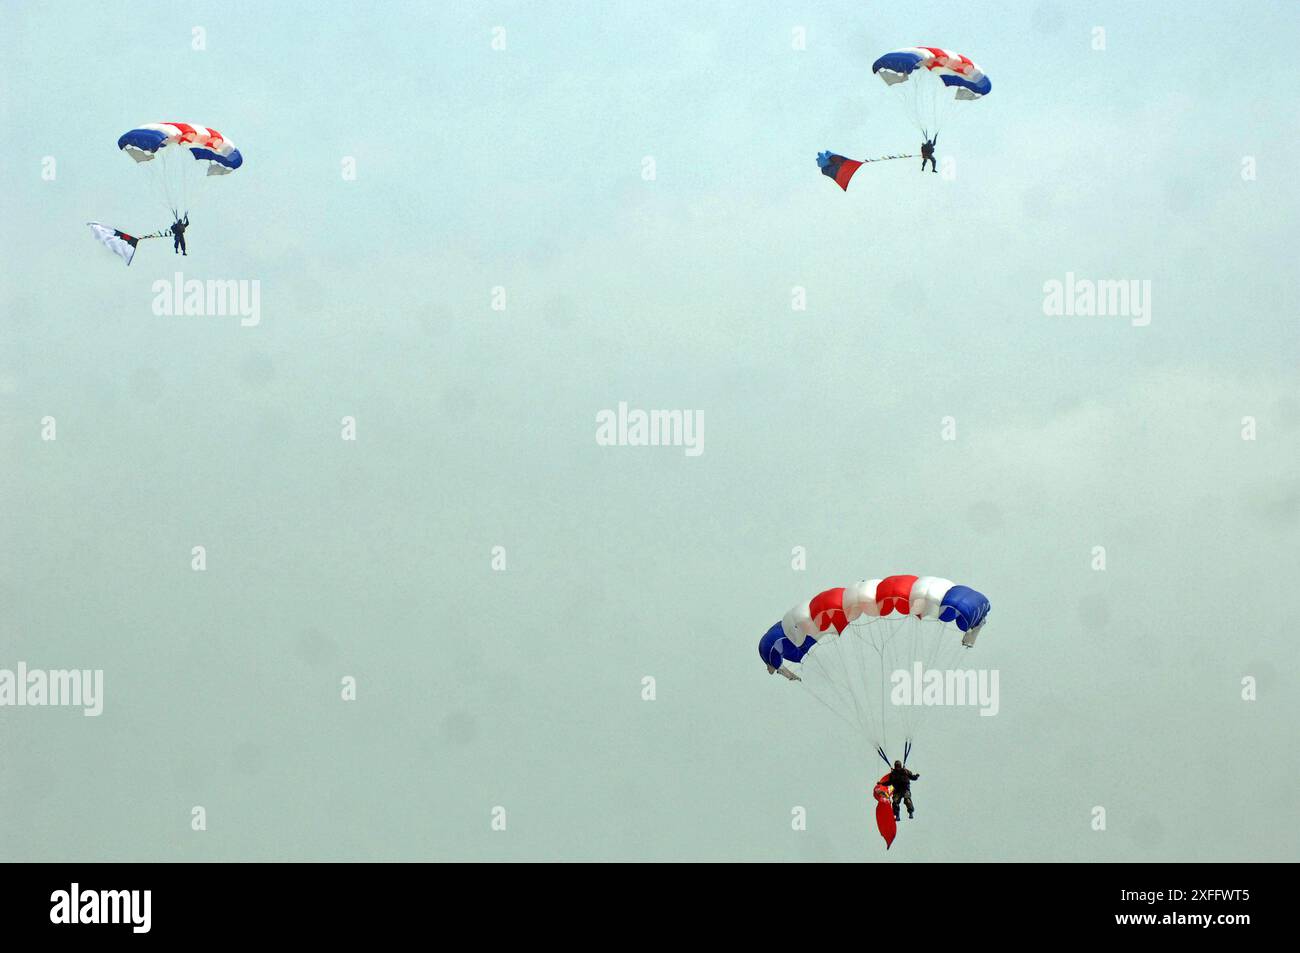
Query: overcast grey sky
x=1164, y=156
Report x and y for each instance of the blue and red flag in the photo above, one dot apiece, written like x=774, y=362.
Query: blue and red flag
x=839, y=168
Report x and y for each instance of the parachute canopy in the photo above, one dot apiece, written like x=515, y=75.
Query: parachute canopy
x=929, y=79
x=953, y=69
x=919, y=596
x=144, y=142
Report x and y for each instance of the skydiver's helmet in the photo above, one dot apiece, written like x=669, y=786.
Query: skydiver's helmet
x=898, y=766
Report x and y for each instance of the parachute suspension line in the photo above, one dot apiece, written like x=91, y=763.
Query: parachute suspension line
x=813, y=661
x=939, y=647
x=156, y=180
x=860, y=705
x=933, y=659
x=176, y=178
x=935, y=646
x=926, y=102
x=169, y=173
x=855, y=661
x=173, y=178
x=827, y=679
x=871, y=653
x=925, y=651
x=882, y=690
x=900, y=635
x=185, y=172
x=815, y=658
x=901, y=638
x=181, y=177
x=163, y=171
x=874, y=722
x=923, y=104
x=829, y=707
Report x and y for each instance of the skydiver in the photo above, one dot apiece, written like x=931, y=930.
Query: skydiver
x=178, y=234
x=902, y=779
x=927, y=154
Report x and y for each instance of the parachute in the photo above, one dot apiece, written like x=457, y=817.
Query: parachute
x=179, y=157
x=929, y=80
x=867, y=651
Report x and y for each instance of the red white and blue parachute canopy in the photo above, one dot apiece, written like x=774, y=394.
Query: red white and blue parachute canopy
x=143, y=142
x=925, y=597
x=954, y=69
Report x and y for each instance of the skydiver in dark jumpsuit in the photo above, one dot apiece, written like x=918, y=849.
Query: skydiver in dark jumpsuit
x=178, y=234
x=902, y=779
x=927, y=154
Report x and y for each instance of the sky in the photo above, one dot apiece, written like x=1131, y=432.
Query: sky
x=475, y=227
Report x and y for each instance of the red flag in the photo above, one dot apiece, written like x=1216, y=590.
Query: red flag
x=885, y=811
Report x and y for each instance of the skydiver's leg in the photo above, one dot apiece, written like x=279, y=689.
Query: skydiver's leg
x=183, y=251
x=907, y=799
x=897, y=797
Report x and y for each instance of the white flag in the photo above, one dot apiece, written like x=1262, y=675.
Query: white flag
x=120, y=242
